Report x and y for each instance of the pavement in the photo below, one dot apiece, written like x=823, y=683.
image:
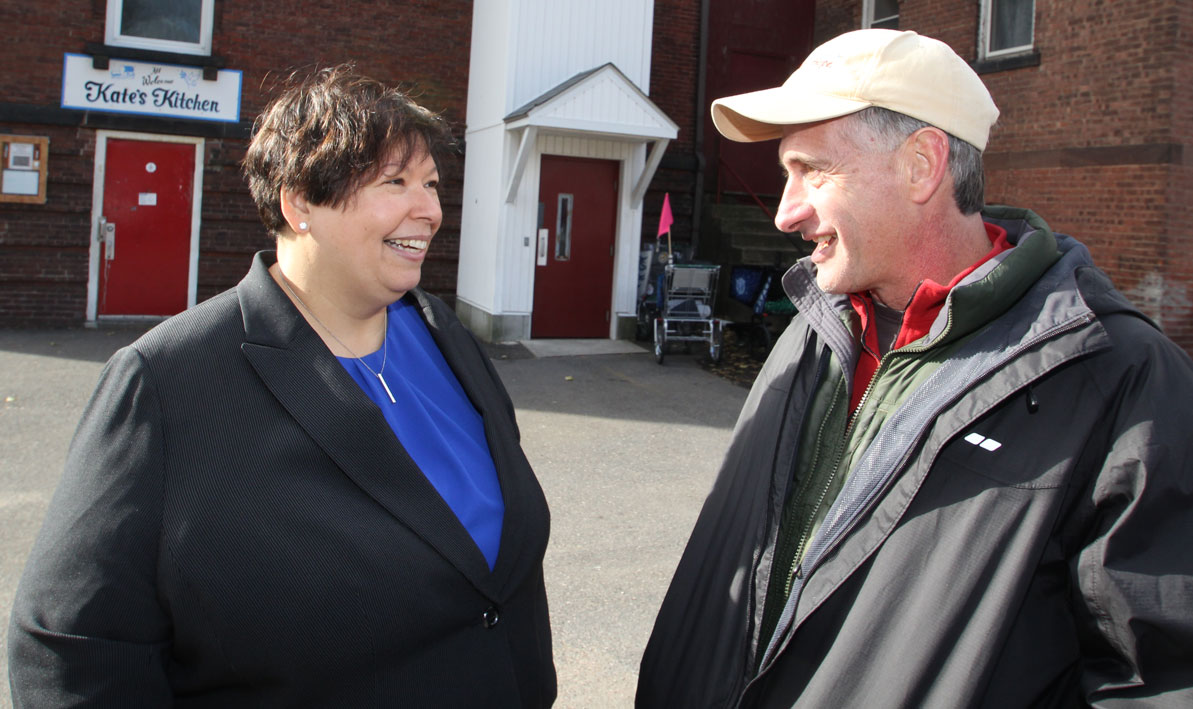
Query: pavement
x=625, y=449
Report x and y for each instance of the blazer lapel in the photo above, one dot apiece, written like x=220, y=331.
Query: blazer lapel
x=328, y=404
x=525, y=527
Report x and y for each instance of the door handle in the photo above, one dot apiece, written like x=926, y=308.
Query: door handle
x=106, y=234
x=541, y=256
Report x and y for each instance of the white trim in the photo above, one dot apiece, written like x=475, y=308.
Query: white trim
x=525, y=147
x=625, y=112
x=985, y=26
x=551, y=116
x=599, y=129
x=97, y=203
x=868, y=14
x=114, y=36
x=622, y=230
x=652, y=163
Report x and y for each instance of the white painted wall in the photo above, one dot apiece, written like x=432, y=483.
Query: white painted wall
x=489, y=66
x=520, y=50
x=482, y=219
x=556, y=39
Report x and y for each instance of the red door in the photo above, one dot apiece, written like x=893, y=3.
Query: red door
x=145, y=254
x=573, y=281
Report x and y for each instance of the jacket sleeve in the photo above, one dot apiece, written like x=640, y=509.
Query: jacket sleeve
x=87, y=625
x=1134, y=570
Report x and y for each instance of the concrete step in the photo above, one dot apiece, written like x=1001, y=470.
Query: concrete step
x=740, y=214
x=765, y=257
x=774, y=240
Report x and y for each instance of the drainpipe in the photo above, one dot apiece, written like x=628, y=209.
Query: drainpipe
x=698, y=139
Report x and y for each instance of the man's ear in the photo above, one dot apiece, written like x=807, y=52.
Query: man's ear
x=295, y=210
x=927, y=163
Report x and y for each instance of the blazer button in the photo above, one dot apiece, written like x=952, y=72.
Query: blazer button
x=491, y=616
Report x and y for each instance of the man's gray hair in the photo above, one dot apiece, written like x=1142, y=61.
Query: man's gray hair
x=965, y=160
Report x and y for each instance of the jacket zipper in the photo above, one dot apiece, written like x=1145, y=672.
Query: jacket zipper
x=797, y=571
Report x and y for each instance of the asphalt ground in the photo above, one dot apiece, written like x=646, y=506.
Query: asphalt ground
x=625, y=449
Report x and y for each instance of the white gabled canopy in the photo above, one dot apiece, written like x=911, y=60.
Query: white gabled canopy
x=597, y=102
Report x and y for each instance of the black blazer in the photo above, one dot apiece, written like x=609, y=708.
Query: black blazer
x=237, y=525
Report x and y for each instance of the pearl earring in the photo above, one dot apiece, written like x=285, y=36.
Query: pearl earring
x=302, y=226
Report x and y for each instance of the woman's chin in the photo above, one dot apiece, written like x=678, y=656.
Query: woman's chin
x=405, y=282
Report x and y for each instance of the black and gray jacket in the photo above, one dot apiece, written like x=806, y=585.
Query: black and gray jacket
x=1016, y=534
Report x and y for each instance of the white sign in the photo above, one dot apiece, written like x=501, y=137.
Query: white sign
x=20, y=156
x=20, y=182
x=147, y=199
x=150, y=89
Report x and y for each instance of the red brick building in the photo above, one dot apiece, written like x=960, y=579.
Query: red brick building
x=46, y=244
x=1093, y=134
x=1095, y=126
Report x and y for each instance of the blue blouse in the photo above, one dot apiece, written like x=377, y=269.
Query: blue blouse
x=436, y=424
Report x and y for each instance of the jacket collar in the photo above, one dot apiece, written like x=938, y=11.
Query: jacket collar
x=981, y=296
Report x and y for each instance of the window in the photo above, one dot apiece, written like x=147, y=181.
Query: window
x=563, y=227
x=182, y=26
x=883, y=14
x=1008, y=27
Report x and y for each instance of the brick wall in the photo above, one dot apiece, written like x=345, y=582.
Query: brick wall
x=1177, y=308
x=44, y=248
x=675, y=58
x=1095, y=138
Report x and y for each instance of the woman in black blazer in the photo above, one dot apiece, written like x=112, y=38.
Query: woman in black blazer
x=309, y=490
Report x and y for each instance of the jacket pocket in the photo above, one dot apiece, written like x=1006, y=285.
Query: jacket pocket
x=1031, y=440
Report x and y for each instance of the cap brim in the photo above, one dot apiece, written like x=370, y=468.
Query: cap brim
x=762, y=115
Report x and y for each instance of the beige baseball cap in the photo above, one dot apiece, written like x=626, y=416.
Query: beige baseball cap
x=900, y=71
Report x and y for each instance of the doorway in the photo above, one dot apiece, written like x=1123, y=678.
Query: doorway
x=573, y=276
x=144, y=255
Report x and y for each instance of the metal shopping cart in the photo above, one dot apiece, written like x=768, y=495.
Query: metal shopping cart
x=685, y=309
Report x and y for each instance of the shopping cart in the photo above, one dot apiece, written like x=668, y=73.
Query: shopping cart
x=685, y=309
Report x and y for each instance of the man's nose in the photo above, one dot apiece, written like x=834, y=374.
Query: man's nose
x=793, y=208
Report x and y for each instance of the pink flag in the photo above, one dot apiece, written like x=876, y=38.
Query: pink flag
x=665, y=219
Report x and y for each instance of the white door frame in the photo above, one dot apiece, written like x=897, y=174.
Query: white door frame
x=97, y=205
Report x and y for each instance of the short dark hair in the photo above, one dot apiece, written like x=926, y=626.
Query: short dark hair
x=329, y=132
x=965, y=160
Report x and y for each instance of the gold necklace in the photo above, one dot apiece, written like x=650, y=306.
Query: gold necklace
x=384, y=338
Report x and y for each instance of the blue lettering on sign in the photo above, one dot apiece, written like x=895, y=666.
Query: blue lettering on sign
x=108, y=93
x=171, y=98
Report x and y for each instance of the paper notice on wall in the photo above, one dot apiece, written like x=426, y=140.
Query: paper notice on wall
x=20, y=156
x=20, y=182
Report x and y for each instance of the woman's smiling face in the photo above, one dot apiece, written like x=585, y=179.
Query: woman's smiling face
x=373, y=246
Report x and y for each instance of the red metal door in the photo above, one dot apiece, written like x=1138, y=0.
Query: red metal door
x=147, y=205
x=573, y=281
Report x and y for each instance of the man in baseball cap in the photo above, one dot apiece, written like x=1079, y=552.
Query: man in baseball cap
x=955, y=480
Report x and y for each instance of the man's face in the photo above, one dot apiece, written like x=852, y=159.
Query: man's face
x=847, y=199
